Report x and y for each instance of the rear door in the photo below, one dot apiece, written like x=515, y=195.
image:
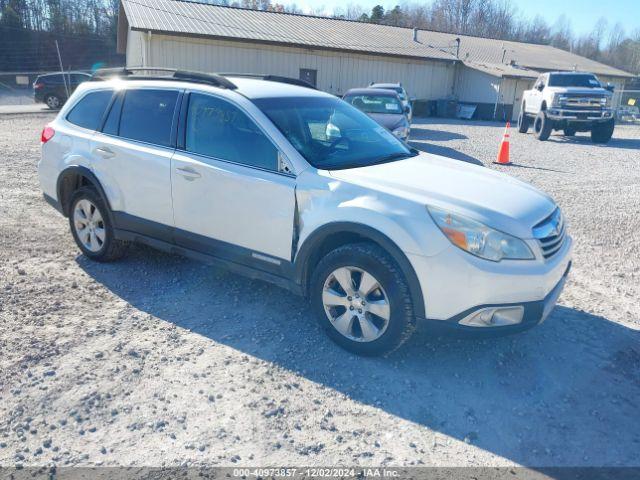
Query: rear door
x=132, y=157
x=229, y=198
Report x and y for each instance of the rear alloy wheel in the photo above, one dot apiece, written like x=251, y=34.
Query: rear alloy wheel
x=362, y=299
x=523, y=122
x=91, y=227
x=53, y=101
x=542, y=126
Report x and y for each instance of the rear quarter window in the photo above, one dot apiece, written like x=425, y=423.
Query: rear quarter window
x=88, y=112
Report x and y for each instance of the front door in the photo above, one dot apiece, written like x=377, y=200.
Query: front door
x=229, y=199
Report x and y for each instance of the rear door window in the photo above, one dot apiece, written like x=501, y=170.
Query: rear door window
x=88, y=112
x=147, y=116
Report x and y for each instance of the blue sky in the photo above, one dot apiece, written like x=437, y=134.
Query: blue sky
x=583, y=14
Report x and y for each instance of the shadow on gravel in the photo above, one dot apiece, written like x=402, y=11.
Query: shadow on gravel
x=434, y=121
x=435, y=135
x=623, y=143
x=445, y=152
x=563, y=394
x=516, y=165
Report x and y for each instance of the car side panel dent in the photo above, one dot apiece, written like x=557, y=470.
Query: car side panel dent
x=323, y=200
x=328, y=206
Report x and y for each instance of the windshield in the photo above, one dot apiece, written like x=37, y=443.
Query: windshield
x=375, y=103
x=574, y=80
x=330, y=134
x=399, y=90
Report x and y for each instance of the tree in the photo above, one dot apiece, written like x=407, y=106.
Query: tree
x=377, y=14
x=394, y=17
x=561, y=33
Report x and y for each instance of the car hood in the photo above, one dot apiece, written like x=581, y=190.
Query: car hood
x=493, y=198
x=579, y=90
x=388, y=120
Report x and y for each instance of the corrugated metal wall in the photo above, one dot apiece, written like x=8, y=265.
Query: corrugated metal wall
x=476, y=87
x=336, y=71
x=473, y=86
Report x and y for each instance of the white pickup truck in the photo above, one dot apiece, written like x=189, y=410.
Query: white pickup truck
x=568, y=101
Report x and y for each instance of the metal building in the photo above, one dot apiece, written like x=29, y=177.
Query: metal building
x=336, y=54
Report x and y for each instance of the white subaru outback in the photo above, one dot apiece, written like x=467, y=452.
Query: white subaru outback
x=239, y=171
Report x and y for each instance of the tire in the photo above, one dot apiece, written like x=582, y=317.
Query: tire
x=96, y=240
x=523, y=121
x=569, y=132
x=387, y=290
x=53, y=101
x=542, y=126
x=602, y=132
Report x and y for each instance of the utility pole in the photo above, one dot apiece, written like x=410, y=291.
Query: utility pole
x=64, y=80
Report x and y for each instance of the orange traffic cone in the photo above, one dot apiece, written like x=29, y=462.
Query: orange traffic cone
x=503, y=151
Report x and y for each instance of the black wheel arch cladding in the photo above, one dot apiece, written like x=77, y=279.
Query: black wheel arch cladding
x=305, y=255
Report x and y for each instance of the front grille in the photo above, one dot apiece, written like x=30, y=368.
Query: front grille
x=551, y=234
x=582, y=100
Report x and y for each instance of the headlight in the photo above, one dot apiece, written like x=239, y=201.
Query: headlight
x=401, y=132
x=559, y=100
x=605, y=101
x=478, y=239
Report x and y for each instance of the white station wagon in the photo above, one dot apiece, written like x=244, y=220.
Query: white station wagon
x=239, y=171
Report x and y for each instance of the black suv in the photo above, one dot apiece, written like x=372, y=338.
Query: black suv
x=50, y=88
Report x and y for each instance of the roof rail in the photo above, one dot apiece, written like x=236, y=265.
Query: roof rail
x=170, y=74
x=271, y=78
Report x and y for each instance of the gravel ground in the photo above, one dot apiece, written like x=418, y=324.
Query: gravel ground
x=157, y=360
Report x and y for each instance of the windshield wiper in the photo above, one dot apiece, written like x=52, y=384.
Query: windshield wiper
x=388, y=158
x=395, y=156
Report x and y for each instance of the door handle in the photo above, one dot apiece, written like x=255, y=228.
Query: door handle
x=188, y=173
x=104, y=152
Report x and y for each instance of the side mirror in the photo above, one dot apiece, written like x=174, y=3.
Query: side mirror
x=407, y=109
x=540, y=87
x=610, y=87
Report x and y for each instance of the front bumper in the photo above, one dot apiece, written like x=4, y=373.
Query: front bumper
x=456, y=284
x=580, y=115
x=535, y=313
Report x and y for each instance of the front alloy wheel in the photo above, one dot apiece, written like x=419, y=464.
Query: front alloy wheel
x=356, y=304
x=361, y=299
x=542, y=126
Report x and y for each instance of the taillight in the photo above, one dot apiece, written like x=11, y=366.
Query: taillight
x=38, y=86
x=47, y=134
